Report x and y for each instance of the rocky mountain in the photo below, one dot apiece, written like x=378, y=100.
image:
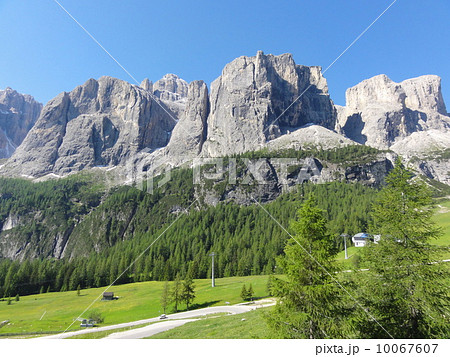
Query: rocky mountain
x=101, y=123
x=260, y=102
x=254, y=101
x=381, y=113
x=409, y=118
x=18, y=113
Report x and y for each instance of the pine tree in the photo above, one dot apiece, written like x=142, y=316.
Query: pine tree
x=175, y=293
x=188, y=292
x=310, y=302
x=8, y=302
x=269, y=285
x=165, y=297
x=250, y=293
x=244, y=293
x=404, y=289
x=17, y=297
x=78, y=290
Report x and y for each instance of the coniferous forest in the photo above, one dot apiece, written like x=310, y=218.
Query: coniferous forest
x=245, y=239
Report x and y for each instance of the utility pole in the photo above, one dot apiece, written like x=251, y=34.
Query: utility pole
x=345, y=244
x=213, y=284
x=345, y=247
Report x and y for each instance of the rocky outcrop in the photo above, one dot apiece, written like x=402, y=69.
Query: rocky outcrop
x=190, y=132
x=101, y=123
x=172, y=91
x=265, y=179
x=185, y=143
x=254, y=101
x=170, y=88
x=382, y=113
x=18, y=113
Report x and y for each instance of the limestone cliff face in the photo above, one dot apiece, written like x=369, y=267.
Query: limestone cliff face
x=101, y=123
x=264, y=101
x=253, y=92
x=172, y=91
x=18, y=113
x=190, y=132
x=382, y=113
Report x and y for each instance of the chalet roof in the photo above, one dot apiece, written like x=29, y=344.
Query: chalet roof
x=108, y=294
x=361, y=236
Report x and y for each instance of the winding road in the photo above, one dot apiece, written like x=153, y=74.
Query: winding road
x=172, y=321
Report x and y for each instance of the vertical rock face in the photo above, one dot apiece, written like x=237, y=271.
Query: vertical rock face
x=253, y=92
x=101, y=123
x=381, y=113
x=424, y=94
x=190, y=132
x=18, y=113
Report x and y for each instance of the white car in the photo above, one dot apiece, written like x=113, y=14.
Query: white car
x=163, y=316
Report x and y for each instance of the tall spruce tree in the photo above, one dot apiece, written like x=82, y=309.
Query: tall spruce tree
x=165, y=297
x=404, y=289
x=310, y=302
x=188, y=291
x=250, y=293
x=244, y=293
x=175, y=292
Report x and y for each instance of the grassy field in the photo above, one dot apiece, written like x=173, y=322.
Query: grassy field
x=442, y=218
x=232, y=326
x=52, y=312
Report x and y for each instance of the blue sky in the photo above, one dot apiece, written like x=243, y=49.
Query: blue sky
x=43, y=52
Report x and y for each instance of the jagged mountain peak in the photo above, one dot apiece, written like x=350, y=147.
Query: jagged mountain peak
x=18, y=113
x=251, y=102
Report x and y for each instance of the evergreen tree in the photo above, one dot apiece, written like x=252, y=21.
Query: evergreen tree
x=175, y=293
x=250, y=293
x=404, y=289
x=188, y=291
x=165, y=297
x=244, y=293
x=8, y=302
x=269, y=285
x=310, y=302
x=17, y=297
x=78, y=290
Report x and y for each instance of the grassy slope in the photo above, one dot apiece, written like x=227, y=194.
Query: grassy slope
x=231, y=326
x=137, y=301
x=442, y=218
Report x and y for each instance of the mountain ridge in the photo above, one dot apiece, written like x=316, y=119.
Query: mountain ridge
x=257, y=102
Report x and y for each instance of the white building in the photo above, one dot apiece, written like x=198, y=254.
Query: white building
x=361, y=239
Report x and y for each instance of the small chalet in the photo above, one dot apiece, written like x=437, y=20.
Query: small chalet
x=360, y=239
x=108, y=296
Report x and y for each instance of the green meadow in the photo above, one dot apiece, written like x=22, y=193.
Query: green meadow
x=242, y=326
x=54, y=312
